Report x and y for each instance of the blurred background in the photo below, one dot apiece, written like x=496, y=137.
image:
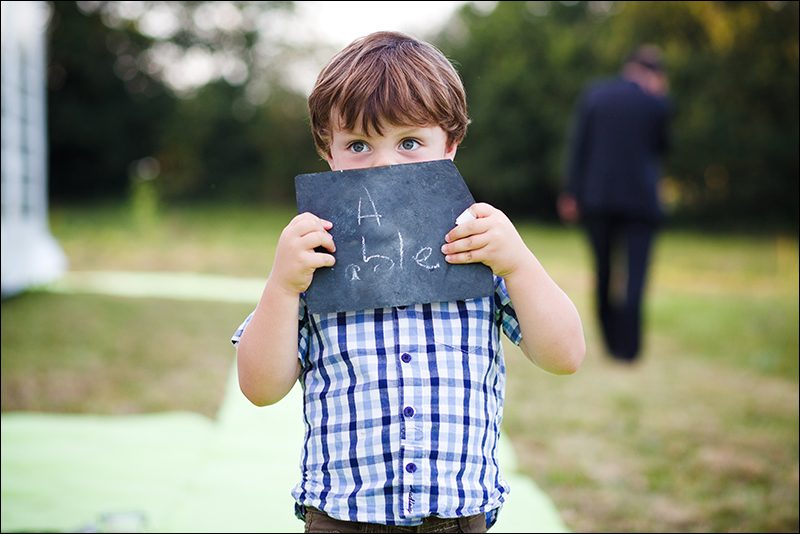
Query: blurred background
x=215, y=93
x=174, y=131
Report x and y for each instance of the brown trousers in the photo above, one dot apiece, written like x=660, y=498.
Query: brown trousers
x=317, y=521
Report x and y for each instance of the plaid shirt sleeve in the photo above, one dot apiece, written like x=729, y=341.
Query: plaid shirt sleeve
x=504, y=311
x=303, y=328
x=239, y=331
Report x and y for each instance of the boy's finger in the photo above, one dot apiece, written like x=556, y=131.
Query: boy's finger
x=314, y=230
x=467, y=243
x=324, y=260
x=318, y=238
x=468, y=228
x=481, y=209
x=309, y=220
x=468, y=256
x=315, y=260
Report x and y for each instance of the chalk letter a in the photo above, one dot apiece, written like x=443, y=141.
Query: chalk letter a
x=375, y=213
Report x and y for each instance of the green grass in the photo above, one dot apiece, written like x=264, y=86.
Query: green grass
x=111, y=355
x=701, y=435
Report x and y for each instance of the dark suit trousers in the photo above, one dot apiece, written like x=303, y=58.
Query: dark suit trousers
x=621, y=247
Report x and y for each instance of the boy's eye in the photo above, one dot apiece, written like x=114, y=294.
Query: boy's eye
x=358, y=146
x=409, y=144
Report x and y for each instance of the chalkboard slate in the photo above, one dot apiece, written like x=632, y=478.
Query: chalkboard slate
x=389, y=225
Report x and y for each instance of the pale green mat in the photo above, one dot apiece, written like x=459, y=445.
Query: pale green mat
x=181, y=471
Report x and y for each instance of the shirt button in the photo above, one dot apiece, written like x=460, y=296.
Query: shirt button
x=406, y=357
x=411, y=468
x=408, y=411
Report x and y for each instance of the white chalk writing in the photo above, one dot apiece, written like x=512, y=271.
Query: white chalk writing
x=351, y=272
x=420, y=259
x=375, y=213
x=381, y=262
x=367, y=259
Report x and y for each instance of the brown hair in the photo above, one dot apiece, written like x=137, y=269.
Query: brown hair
x=387, y=78
x=648, y=56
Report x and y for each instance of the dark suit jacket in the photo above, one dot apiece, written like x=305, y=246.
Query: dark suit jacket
x=618, y=137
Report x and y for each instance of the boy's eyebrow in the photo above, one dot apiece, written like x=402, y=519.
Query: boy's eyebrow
x=350, y=134
x=337, y=123
x=403, y=130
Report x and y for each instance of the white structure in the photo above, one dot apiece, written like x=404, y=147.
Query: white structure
x=30, y=254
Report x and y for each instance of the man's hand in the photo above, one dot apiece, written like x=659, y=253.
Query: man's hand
x=568, y=209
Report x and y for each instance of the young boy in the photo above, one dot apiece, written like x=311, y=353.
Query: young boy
x=402, y=406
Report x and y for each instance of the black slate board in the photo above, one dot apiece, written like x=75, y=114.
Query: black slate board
x=389, y=225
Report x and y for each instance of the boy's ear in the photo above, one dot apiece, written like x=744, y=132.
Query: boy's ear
x=329, y=157
x=450, y=153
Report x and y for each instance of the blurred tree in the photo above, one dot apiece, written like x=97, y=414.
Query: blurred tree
x=210, y=150
x=192, y=43
x=200, y=86
x=523, y=65
x=203, y=87
x=734, y=73
x=97, y=127
x=734, y=70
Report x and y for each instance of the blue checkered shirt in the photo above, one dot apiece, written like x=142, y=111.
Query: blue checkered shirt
x=402, y=409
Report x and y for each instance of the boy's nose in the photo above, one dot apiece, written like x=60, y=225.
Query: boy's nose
x=384, y=158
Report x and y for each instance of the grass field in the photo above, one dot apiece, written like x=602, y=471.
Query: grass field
x=700, y=436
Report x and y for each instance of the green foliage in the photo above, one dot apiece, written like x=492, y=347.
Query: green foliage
x=110, y=107
x=733, y=68
x=96, y=126
x=208, y=152
x=734, y=79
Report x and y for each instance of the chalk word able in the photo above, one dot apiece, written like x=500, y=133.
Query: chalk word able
x=388, y=225
x=381, y=262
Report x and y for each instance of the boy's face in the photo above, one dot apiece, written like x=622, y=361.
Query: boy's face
x=398, y=144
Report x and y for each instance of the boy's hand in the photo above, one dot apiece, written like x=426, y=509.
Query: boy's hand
x=295, y=258
x=491, y=239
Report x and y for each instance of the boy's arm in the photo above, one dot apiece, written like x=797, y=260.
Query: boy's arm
x=266, y=354
x=552, y=334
